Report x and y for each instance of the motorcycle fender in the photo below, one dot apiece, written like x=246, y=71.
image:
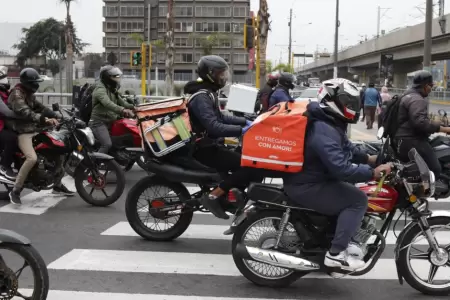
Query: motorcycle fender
x=11, y=237
x=400, y=239
x=100, y=156
x=243, y=216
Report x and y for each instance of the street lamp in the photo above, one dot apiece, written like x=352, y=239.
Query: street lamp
x=336, y=40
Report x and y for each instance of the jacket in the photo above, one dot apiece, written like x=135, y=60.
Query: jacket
x=413, y=119
x=372, y=97
x=107, y=106
x=206, y=117
x=263, y=97
x=385, y=94
x=328, y=154
x=280, y=94
x=361, y=95
x=26, y=107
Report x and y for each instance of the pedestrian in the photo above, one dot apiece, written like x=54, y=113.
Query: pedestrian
x=372, y=99
x=385, y=98
x=361, y=95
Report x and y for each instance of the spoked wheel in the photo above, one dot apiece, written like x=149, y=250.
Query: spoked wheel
x=155, y=209
x=259, y=231
x=425, y=269
x=23, y=273
x=102, y=188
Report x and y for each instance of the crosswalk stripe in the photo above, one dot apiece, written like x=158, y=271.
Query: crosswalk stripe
x=215, y=232
x=74, y=295
x=192, y=264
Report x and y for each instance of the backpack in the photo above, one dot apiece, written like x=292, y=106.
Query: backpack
x=264, y=101
x=86, y=104
x=389, y=116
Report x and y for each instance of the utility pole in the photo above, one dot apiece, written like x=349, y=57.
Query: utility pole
x=442, y=20
x=379, y=16
x=149, y=42
x=60, y=66
x=336, y=41
x=428, y=33
x=290, y=36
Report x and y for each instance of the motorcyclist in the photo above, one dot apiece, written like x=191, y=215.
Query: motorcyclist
x=212, y=126
x=332, y=163
x=415, y=126
x=23, y=103
x=281, y=92
x=265, y=93
x=8, y=138
x=107, y=106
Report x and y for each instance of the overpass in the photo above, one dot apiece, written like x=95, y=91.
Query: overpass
x=406, y=46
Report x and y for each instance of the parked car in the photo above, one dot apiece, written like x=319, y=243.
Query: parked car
x=308, y=94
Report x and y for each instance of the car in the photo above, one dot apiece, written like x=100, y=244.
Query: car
x=309, y=94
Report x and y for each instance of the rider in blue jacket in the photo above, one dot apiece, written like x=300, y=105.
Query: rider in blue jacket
x=332, y=164
x=281, y=92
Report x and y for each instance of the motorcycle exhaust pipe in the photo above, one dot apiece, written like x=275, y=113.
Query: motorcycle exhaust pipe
x=6, y=180
x=275, y=258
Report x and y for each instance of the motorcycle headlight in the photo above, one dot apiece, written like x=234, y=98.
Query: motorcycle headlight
x=87, y=132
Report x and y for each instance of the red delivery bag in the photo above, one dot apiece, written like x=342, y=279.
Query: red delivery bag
x=276, y=139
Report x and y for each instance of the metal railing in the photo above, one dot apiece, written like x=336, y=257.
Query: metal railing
x=434, y=96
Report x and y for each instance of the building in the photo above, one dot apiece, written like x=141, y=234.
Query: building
x=194, y=20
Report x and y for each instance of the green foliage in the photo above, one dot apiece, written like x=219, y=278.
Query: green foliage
x=210, y=41
x=53, y=66
x=283, y=68
x=269, y=66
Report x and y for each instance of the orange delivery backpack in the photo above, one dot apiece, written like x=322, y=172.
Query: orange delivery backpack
x=275, y=141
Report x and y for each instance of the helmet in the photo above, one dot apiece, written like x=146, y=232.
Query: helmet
x=213, y=69
x=110, y=76
x=272, y=79
x=363, y=85
x=286, y=80
x=422, y=78
x=30, y=79
x=4, y=82
x=340, y=98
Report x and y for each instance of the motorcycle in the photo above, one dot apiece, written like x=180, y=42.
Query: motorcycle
x=291, y=241
x=14, y=242
x=65, y=142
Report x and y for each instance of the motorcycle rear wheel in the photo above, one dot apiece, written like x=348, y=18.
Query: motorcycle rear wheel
x=132, y=211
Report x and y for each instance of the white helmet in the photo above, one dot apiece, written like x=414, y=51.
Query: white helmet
x=340, y=98
x=4, y=77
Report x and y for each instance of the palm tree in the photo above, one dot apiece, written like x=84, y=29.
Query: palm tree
x=69, y=46
x=170, y=48
x=210, y=41
x=264, y=27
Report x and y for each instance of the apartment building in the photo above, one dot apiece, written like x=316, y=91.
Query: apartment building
x=194, y=20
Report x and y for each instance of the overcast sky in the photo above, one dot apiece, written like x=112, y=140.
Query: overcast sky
x=358, y=18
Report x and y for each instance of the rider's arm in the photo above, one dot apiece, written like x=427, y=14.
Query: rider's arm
x=102, y=96
x=20, y=107
x=124, y=103
x=5, y=112
x=203, y=109
x=233, y=120
x=418, y=116
x=326, y=142
x=359, y=155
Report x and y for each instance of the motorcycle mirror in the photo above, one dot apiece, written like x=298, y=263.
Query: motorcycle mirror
x=442, y=113
x=55, y=106
x=380, y=133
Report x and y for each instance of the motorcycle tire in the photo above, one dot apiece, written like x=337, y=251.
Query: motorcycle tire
x=120, y=185
x=403, y=264
x=37, y=265
x=250, y=275
x=133, y=216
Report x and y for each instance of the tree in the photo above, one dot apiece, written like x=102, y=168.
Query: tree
x=269, y=67
x=53, y=66
x=42, y=38
x=92, y=64
x=263, y=29
x=282, y=67
x=69, y=45
x=112, y=58
x=170, y=48
x=210, y=41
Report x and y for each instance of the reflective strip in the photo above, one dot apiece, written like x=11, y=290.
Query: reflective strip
x=271, y=161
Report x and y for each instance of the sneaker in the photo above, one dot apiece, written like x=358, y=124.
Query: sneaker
x=212, y=204
x=343, y=261
x=62, y=190
x=8, y=173
x=355, y=250
x=14, y=197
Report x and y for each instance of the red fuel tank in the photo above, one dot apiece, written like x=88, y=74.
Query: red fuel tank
x=381, y=202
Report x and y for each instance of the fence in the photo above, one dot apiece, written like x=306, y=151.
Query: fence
x=443, y=96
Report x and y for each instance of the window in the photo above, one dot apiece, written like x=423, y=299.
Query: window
x=183, y=42
x=132, y=11
x=128, y=42
x=183, y=11
x=240, y=12
x=213, y=27
x=183, y=27
x=132, y=26
x=111, y=42
x=238, y=27
x=111, y=27
x=238, y=43
x=241, y=58
x=125, y=57
x=183, y=58
x=162, y=11
x=111, y=11
x=162, y=26
x=225, y=56
x=224, y=43
x=212, y=11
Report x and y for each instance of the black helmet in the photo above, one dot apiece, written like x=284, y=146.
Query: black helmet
x=110, y=76
x=30, y=79
x=213, y=69
x=422, y=78
x=286, y=80
x=340, y=98
x=272, y=79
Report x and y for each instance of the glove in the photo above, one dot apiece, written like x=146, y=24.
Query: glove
x=248, y=123
x=244, y=130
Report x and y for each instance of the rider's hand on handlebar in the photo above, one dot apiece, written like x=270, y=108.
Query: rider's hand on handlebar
x=52, y=122
x=381, y=170
x=128, y=113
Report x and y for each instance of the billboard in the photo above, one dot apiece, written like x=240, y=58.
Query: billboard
x=386, y=69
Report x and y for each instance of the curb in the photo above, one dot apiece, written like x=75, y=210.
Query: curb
x=440, y=102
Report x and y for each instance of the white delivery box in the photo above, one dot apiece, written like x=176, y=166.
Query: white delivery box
x=242, y=98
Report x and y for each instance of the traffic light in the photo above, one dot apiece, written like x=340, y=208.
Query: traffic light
x=249, y=34
x=136, y=58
